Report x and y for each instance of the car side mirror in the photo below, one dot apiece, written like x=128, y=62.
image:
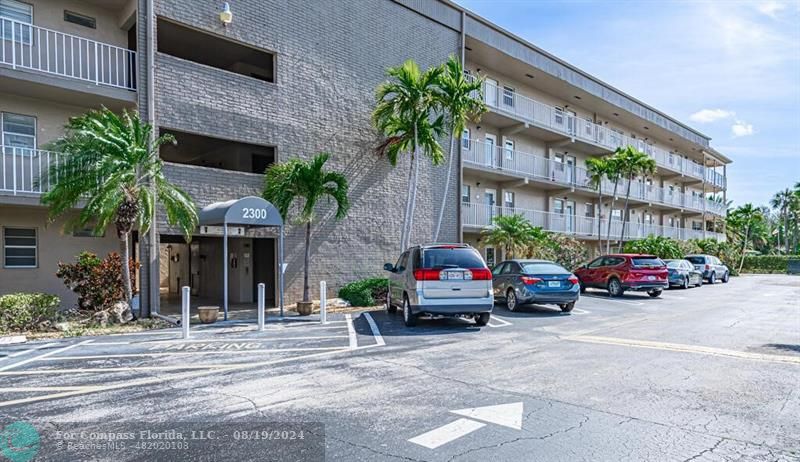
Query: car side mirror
x=388, y=267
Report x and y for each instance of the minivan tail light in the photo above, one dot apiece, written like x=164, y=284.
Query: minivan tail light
x=426, y=274
x=528, y=280
x=481, y=274
x=708, y=266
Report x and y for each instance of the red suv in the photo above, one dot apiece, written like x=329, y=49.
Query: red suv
x=620, y=272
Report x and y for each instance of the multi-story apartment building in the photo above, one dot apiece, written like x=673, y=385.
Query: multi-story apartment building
x=289, y=79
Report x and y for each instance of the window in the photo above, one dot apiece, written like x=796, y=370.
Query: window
x=497, y=269
x=20, y=12
x=558, y=206
x=459, y=257
x=616, y=214
x=511, y=268
x=508, y=96
x=589, y=207
x=509, y=149
x=465, y=139
x=401, y=262
x=490, y=257
x=671, y=221
x=465, y=193
x=543, y=268
x=19, y=131
x=19, y=247
x=559, y=116
x=508, y=199
x=697, y=226
x=215, y=51
x=596, y=263
x=80, y=19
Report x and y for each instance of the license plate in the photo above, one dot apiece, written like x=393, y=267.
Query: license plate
x=651, y=278
x=451, y=275
x=553, y=283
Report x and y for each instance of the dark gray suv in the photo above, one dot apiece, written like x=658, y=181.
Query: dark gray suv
x=711, y=267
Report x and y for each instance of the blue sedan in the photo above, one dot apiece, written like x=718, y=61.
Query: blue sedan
x=522, y=282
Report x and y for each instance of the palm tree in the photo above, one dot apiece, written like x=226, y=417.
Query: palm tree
x=404, y=114
x=741, y=221
x=306, y=182
x=781, y=201
x=598, y=169
x=512, y=233
x=110, y=163
x=461, y=100
x=633, y=163
x=614, y=173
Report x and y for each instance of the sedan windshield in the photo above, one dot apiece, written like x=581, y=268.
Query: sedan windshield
x=542, y=268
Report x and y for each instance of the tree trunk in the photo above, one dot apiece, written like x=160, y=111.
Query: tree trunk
x=744, y=247
x=126, y=269
x=414, y=189
x=599, y=214
x=786, y=231
x=408, y=204
x=446, y=188
x=625, y=214
x=306, y=263
x=610, y=215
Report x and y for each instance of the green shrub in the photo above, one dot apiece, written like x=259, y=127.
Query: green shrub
x=98, y=282
x=660, y=246
x=366, y=292
x=564, y=250
x=767, y=263
x=27, y=311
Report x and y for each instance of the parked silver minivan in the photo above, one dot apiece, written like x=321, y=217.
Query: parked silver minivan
x=440, y=280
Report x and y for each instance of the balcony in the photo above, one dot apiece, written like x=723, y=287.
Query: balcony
x=551, y=118
x=486, y=157
x=34, y=48
x=480, y=216
x=23, y=172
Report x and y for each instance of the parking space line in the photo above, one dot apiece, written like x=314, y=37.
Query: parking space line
x=683, y=348
x=43, y=356
x=351, y=331
x=31, y=389
x=375, y=331
x=162, y=378
x=194, y=352
x=38, y=347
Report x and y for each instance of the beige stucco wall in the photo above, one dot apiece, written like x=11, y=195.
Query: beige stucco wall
x=50, y=15
x=54, y=246
x=50, y=116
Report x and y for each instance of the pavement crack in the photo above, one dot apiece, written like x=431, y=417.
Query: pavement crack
x=373, y=450
x=705, y=451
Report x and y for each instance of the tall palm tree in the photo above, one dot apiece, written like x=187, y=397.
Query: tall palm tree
x=633, y=163
x=512, y=233
x=598, y=169
x=405, y=115
x=781, y=202
x=614, y=173
x=305, y=182
x=462, y=101
x=110, y=163
x=741, y=221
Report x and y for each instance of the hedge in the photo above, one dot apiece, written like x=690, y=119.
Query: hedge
x=366, y=292
x=27, y=311
x=767, y=263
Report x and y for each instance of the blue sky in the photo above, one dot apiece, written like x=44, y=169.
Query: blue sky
x=730, y=69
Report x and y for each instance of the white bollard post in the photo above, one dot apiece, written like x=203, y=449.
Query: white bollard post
x=185, y=311
x=323, y=302
x=261, y=313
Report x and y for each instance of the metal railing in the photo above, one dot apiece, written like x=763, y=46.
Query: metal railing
x=558, y=120
x=482, y=216
x=32, y=47
x=25, y=170
x=488, y=156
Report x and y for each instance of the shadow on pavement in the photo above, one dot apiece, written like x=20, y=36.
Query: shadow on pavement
x=391, y=325
x=530, y=311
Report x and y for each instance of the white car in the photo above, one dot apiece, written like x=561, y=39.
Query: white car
x=440, y=280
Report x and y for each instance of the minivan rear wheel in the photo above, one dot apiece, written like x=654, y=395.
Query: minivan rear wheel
x=391, y=309
x=482, y=319
x=409, y=318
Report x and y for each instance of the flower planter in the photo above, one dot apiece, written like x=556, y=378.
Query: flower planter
x=304, y=308
x=208, y=314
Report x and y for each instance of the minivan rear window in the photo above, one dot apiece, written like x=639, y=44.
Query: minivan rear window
x=647, y=262
x=452, y=258
x=697, y=260
x=542, y=268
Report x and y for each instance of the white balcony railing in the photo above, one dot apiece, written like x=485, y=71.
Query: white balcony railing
x=482, y=215
x=25, y=171
x=35, y=48
x=553, y=118
x=511, y=161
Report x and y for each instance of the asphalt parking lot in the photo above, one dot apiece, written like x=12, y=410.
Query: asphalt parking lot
x=710, y=373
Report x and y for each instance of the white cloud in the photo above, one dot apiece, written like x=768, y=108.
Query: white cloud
x=704, y=116
x=771, y=8
x=742, y=128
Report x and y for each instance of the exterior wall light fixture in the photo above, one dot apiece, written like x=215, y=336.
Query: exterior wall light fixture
x=225, y=15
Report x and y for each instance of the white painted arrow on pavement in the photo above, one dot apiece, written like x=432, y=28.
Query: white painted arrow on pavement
x=508, y=415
